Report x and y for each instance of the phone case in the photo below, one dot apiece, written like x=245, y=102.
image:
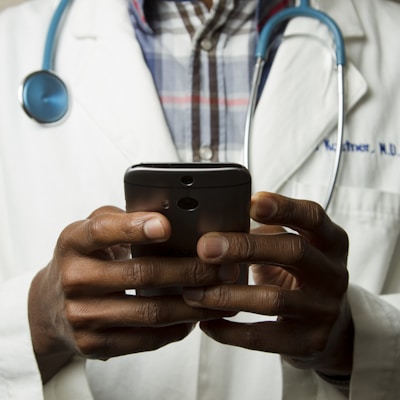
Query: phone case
x=196, y=198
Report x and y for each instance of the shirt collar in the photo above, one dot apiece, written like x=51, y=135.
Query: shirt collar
x=140, y=12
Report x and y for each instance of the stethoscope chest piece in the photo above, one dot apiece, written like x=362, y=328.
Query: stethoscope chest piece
x=44, y=97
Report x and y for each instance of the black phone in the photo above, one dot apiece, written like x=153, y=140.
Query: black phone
x=196, y=198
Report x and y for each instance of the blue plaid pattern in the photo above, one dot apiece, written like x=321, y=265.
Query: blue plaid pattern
x=202, y=63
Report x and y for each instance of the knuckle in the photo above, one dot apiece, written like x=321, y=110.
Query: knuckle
x=85, y=344
x=274, y=301
x=296, y=248
x=93, y=345
x=339, y=282
x=63, y=245
x=75, y=314
x=140, y=274
x=71, y=282
x=85, y=313
x=199, y=274
x=152, y=313
x=92, y=228
x=245, y=248
x=219, y=297
x=105, y=210
x=318, y=217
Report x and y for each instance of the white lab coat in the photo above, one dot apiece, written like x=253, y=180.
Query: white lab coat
x=51, y=176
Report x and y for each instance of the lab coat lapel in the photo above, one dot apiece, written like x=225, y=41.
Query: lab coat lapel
x=107, y=73
x=298, y=107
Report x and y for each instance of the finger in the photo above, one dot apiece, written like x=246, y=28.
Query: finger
x=121, y=341
x=278, y=249
x=106, y=230
x=307, y=217
x=291, y=252
x=132, y=311
x=273, y=275
x=263, y=300
x=100, y=277
x=106, y=210
x=282, y=337
x=268, y=230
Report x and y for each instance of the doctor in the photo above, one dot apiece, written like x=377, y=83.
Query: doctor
x=61, y=296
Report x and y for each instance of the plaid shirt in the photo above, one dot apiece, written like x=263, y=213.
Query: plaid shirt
x=202, y=63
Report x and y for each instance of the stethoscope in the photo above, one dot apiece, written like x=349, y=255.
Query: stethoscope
x=44, y=96
x=262, y=50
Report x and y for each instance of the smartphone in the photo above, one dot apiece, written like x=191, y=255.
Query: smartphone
x=196, y=198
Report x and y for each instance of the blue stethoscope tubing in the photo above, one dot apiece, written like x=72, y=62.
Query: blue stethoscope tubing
x=44, y=95
x=48, y=56
x=302, y=10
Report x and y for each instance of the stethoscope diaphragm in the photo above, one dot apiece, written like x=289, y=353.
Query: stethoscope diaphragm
x=44, y=97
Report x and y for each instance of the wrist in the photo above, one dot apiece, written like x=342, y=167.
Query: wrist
x=51, y=352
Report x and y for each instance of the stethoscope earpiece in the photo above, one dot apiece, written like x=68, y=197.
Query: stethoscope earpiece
x=44, y=97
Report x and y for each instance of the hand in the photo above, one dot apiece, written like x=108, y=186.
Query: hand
x=300, y=278
x=78, y=304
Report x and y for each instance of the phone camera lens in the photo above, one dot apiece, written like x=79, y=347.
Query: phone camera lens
x=187, y=180
x=188, y=204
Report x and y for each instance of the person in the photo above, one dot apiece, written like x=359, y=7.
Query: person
x=321, y=318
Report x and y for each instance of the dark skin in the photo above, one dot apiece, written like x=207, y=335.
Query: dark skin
x=302, y=279
x=78, y=303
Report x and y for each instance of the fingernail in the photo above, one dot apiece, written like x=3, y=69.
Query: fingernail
x=193, y=294
x=228, y=273
x=266, y=207
x=153, y=229
x=214, y=247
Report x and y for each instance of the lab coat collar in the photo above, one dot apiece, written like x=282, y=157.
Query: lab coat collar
x=344, y=13
x=105, y=67
x=303, y=79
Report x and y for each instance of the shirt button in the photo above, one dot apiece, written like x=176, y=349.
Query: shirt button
x=206, y=153
x=206, y=44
